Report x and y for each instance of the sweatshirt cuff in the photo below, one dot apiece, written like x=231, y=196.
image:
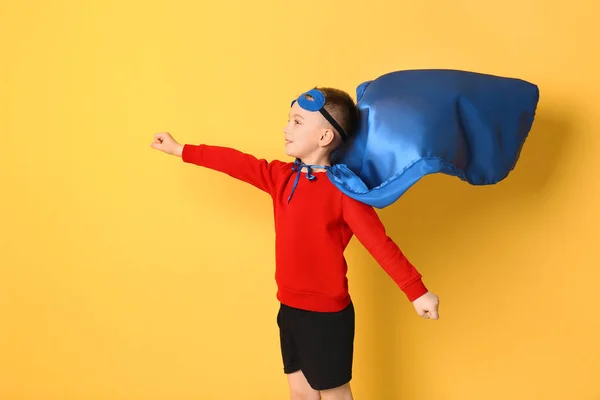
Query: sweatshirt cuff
x=415, y=290
x=190, y=153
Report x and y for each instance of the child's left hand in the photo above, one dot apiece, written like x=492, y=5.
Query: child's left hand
x=427, y=306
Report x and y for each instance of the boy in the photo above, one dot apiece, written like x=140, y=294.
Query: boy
x=314, y=221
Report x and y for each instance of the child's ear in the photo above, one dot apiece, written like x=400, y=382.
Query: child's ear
x=327, y=136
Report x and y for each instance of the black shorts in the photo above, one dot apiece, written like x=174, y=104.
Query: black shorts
x=321, y=344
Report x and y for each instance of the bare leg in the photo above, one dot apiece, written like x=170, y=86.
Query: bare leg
x=300, y=389
x=339, y=393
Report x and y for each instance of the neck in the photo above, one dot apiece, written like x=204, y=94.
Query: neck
x=322, y=160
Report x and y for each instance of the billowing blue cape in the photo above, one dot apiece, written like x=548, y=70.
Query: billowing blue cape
x=419, y=122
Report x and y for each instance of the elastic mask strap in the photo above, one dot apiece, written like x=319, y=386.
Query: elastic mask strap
x=333, y=122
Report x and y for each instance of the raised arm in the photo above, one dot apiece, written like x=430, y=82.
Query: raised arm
x=245, y=167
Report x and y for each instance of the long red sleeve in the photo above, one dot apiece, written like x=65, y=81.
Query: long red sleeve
x=245, y=167
x=370, y=231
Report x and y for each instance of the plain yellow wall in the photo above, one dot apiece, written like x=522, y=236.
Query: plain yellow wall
x=125, y=274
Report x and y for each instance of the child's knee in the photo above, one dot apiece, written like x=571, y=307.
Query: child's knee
x=303, y=394
x=300, y=389
x=340, y=393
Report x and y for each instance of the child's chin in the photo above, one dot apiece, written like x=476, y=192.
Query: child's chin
x=290, y=153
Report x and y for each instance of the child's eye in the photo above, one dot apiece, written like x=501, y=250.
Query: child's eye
x=297, y=122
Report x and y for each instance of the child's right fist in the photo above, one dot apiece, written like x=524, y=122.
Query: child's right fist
x=163, y=141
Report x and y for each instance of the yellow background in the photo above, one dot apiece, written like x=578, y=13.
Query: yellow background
x=126, y=274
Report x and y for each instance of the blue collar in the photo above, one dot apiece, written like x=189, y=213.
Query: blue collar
x=297, y=167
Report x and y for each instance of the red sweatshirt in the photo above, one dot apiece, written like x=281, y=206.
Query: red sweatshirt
x=312, y=230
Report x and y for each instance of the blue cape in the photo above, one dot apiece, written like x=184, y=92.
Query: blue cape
x=419, y=122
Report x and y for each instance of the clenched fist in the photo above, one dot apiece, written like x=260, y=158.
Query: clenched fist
x=163, y=141
x=427, y=306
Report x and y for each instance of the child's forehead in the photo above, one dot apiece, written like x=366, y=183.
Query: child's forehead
x=297, y=110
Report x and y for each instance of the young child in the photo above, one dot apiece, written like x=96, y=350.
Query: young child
x=314, y=221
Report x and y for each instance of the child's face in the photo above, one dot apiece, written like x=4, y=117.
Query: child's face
x=304, y=132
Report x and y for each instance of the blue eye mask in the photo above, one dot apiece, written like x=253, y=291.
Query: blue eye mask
x=419, y=122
